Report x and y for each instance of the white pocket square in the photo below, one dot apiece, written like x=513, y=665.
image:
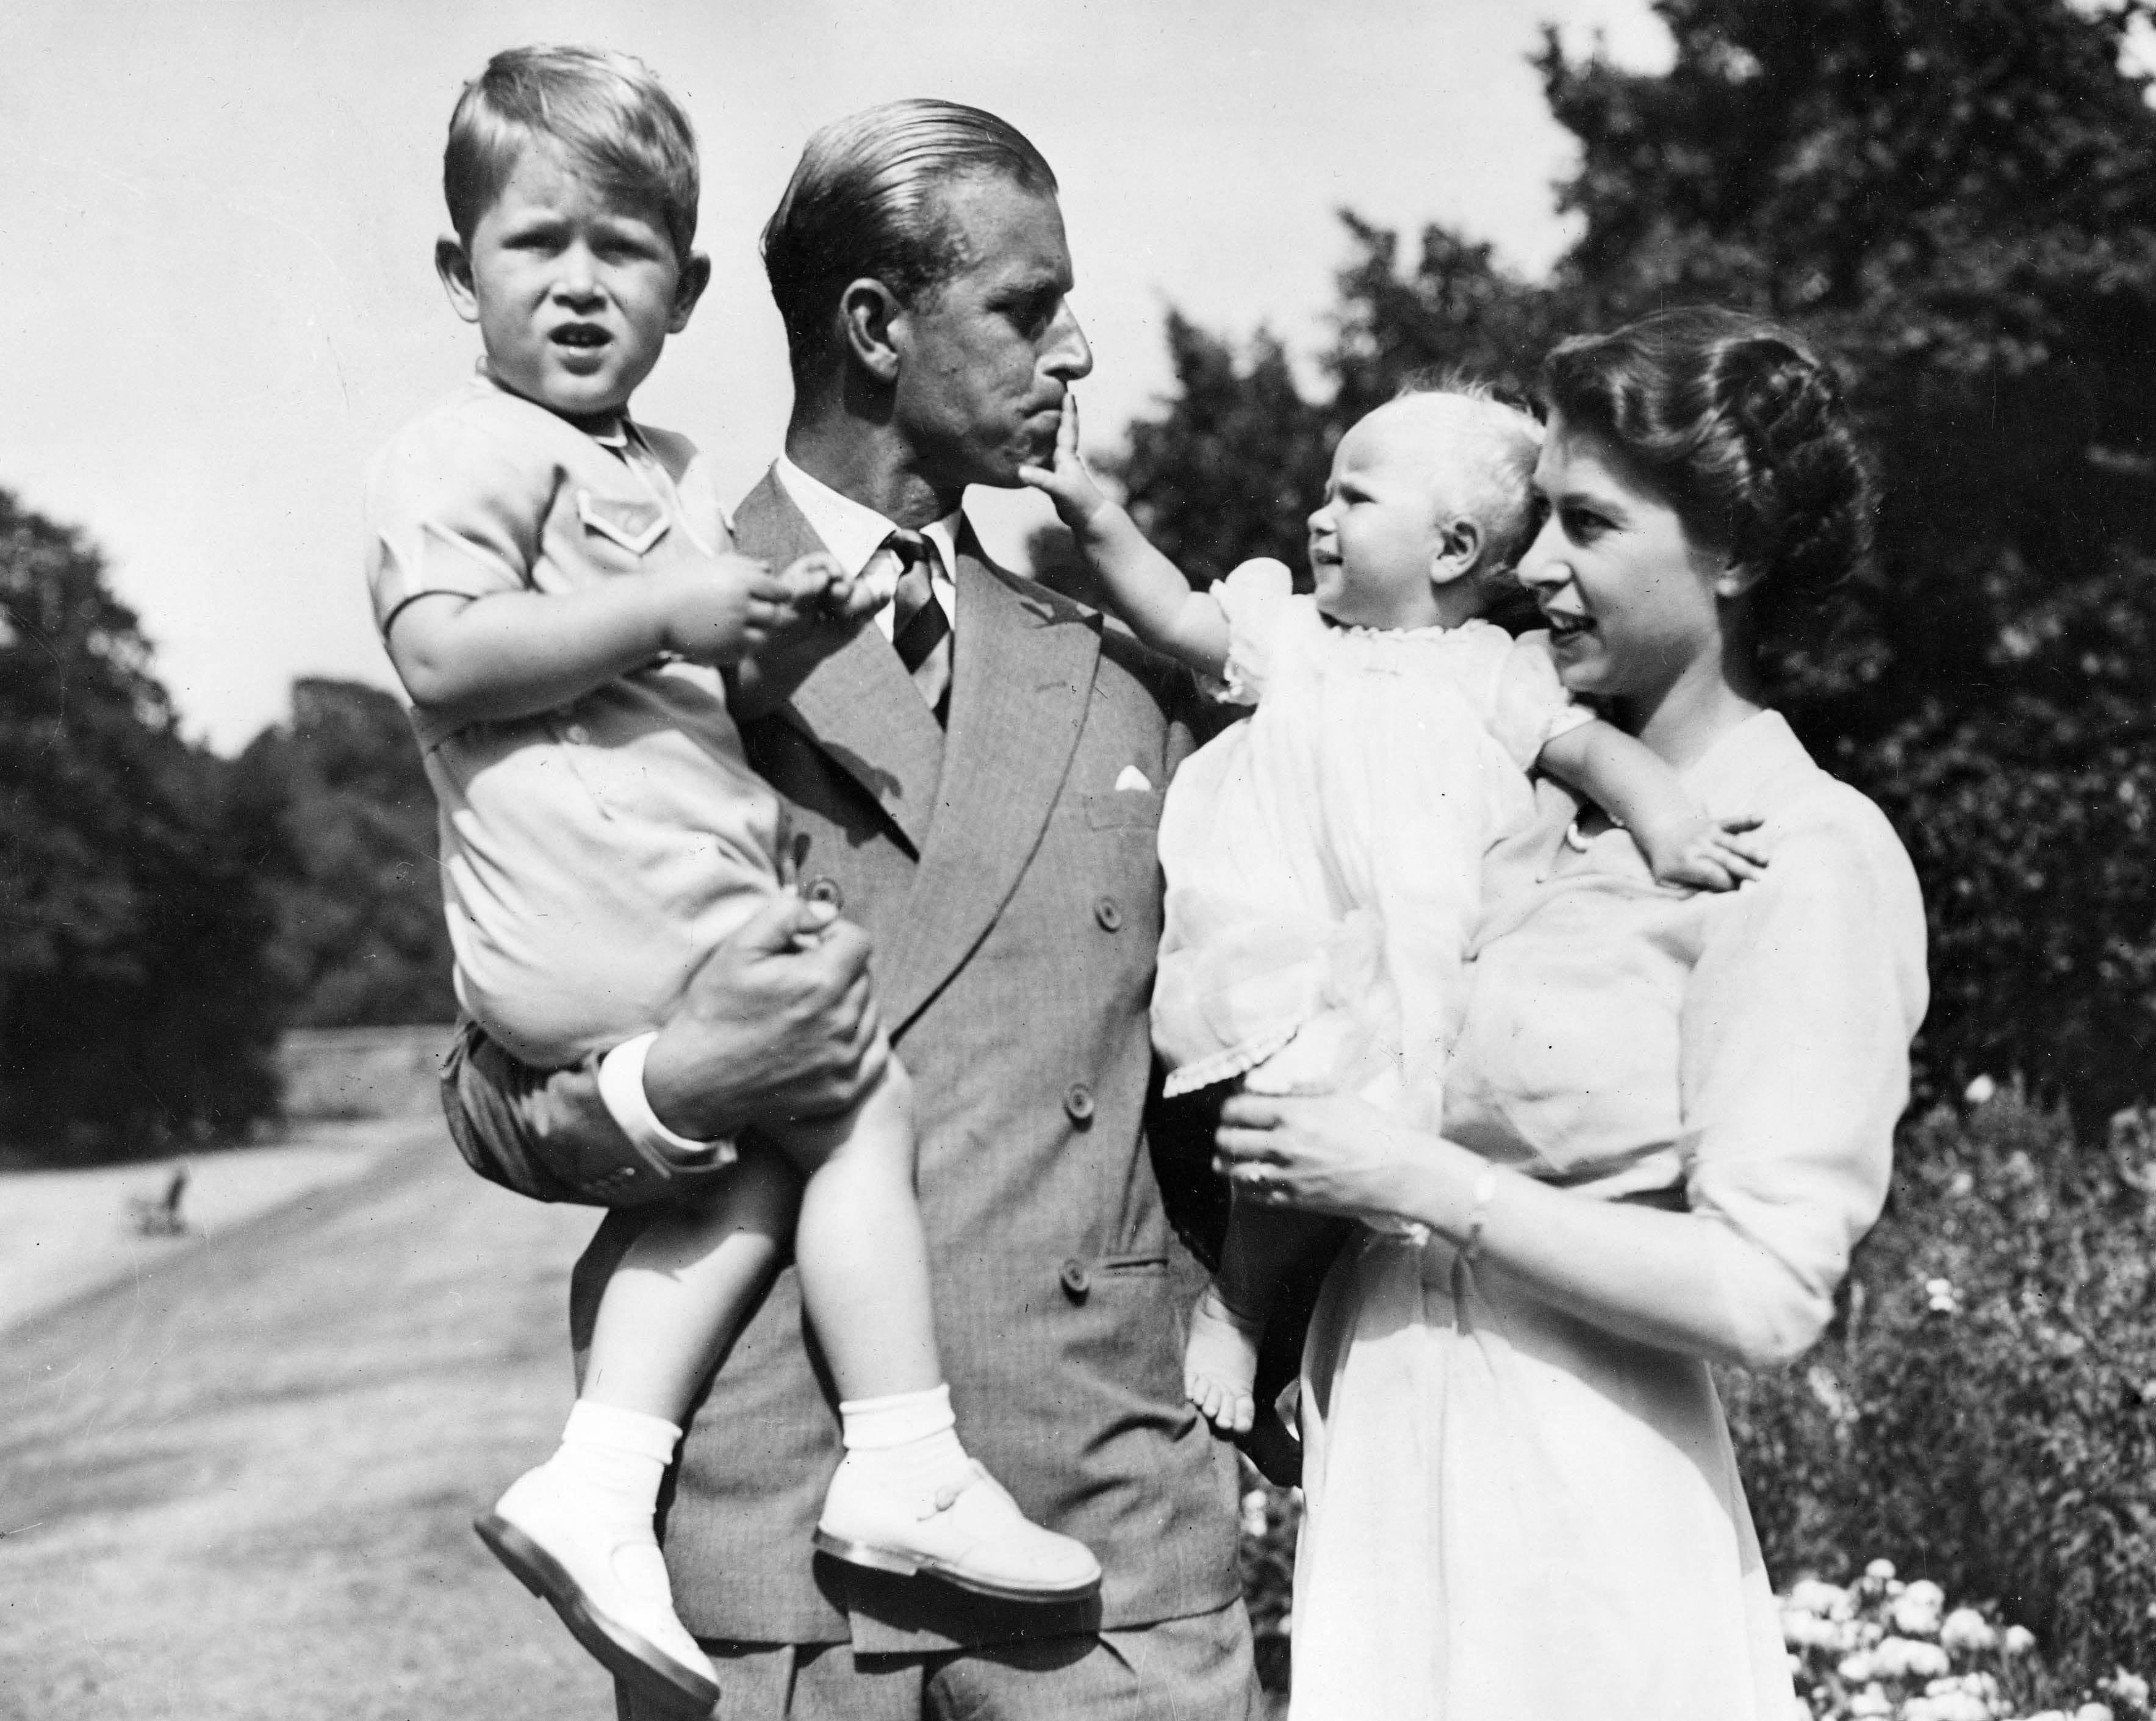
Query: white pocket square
x=1134, y=778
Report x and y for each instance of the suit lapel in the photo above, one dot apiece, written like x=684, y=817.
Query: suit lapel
x=858, y=705
x=1023, y=671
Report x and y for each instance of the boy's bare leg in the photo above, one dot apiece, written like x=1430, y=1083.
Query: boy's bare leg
x=906, y=1498
x=578, y=1530
x=859, y=1246
x=681, y=1292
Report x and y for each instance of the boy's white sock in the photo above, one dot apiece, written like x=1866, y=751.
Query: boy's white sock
x=907, y=1441
x=623, y=1453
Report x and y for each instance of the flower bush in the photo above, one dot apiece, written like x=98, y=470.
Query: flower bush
x=1980, y=1411
x=1881, y=1650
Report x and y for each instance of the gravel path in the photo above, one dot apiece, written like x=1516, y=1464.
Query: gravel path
x=239, y=1487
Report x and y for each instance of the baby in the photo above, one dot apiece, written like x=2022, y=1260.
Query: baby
x=555, y=584
x=1323, y=859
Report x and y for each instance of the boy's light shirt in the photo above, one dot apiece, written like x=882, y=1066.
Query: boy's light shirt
x=852, y=532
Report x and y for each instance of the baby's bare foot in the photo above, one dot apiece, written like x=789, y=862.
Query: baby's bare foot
x=1220, y=1364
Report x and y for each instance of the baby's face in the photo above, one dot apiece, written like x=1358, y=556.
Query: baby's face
x=1375, y=543
x=574, y=290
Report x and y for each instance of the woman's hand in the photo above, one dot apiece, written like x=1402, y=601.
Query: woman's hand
x=1319, y=1153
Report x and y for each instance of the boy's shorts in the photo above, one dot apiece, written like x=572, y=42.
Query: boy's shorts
x=501, y=1124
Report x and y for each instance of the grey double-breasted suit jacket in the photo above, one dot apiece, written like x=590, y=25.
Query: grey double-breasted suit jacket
x=1006, y=872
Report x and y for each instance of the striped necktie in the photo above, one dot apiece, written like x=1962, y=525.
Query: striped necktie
x=919, y=628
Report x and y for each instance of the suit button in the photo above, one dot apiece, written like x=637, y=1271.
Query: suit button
x=1078, y=1101
x=1076, y=1279
x=576, y=734
x=1110, y=913
x=821, y=889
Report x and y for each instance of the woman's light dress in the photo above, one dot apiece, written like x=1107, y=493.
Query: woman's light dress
x=1324, y=860
x=1515, y=1515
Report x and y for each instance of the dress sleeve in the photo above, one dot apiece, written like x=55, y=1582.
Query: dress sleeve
x=1795, y=1040
x=1258, y=597
x=1532, y=708
x=450, y=507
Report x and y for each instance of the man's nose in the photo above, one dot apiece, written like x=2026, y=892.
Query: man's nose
x=1070, y=354
x=1321, y=518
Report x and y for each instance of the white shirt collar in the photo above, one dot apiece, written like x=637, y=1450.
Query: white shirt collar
x=852, y=531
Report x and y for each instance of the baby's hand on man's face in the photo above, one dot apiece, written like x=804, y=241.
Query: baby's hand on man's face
x=1067, y=482
x=722, y=610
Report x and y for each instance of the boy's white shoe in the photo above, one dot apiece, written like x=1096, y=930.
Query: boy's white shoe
x=973, y=1536
x=577, y=1549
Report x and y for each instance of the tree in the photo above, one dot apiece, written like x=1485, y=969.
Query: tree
x=136, y=1008
x=1956, y=199
x=344, y=827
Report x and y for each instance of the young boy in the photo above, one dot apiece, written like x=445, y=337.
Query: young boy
x=1323, y=859
x=555, y=587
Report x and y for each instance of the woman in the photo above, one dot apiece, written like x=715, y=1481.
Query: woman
x=1667, y=1118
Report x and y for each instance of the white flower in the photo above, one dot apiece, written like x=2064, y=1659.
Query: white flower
x=1940, y=1297
x=1855, y=1668
x=1253, y=1513
x=1879, y=1571
x=2129, y=1688
x=2019, y=1639
x=1965, y=1628
x=1980, y=1090
x=1910, y=1657
x=1830, y=1601
x=2093, y=1712
x=1916, y=1611
x=1947, y=1706
x=1870, y=1700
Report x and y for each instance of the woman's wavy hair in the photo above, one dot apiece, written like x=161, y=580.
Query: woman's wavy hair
x=864, y=201
x=1741, y=427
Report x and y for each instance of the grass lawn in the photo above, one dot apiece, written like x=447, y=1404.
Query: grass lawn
x=238, y=1484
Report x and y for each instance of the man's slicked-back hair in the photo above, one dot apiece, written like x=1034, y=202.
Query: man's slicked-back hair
x=863, y=203
x=608, y=113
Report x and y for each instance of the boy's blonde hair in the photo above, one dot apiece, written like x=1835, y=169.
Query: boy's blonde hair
x=607, y=112
x=1490, y=472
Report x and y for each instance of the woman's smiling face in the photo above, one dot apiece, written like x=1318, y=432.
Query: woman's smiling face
x=1629, y=595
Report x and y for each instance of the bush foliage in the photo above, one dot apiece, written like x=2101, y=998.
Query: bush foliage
x=1981, y=1409
x=136, y=1008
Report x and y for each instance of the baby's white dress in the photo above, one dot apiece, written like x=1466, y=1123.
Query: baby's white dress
x=1323, y=859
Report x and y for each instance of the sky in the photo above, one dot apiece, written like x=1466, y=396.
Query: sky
x=218, y=219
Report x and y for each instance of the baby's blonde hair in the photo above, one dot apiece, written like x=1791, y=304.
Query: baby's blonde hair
x=1490, y=471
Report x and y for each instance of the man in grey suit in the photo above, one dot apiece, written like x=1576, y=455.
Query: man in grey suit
x=977, y=773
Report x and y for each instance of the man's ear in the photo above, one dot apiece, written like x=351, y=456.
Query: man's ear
x=695, y=276
x=871, y=312
x=1459, y=549
x=453, y=262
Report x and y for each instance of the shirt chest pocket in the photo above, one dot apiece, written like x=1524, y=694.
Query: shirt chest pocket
x=617, y=531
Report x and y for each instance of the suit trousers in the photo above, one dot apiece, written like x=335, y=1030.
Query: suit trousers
x=1193, y=1669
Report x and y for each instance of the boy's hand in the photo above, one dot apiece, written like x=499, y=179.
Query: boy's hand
x=722, y=610
x=1704, y=854
x=1067, y=483
x=819, y=590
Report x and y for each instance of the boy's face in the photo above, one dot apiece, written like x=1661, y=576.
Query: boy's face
x=574, y=292
x=1381, y=535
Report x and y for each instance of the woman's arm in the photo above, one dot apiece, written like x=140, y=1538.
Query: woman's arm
x=1793, y=1049
x=1141, y=586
